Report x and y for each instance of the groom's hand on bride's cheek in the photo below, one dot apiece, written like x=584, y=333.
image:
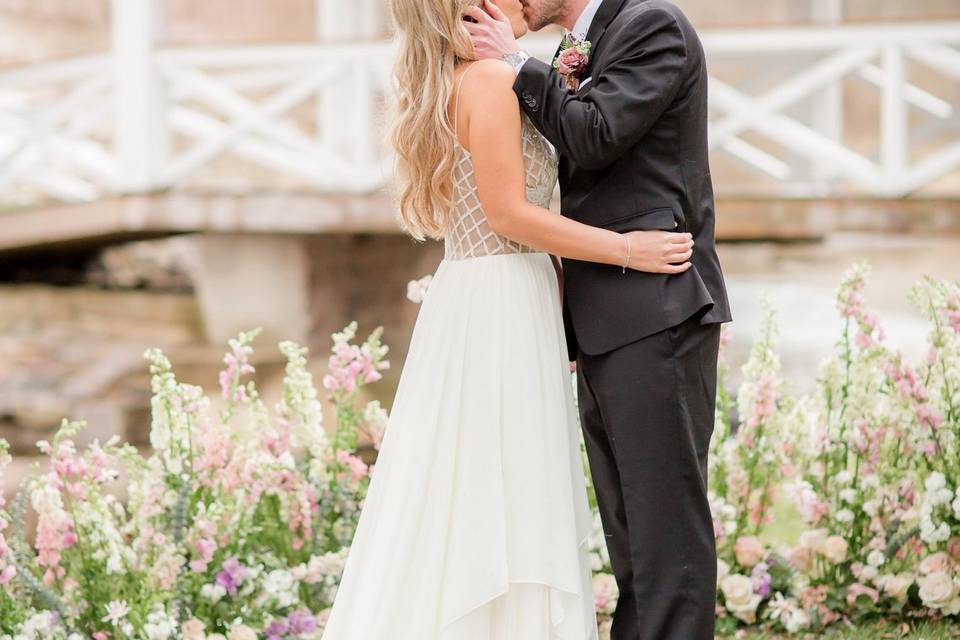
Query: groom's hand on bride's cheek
x=491, y=32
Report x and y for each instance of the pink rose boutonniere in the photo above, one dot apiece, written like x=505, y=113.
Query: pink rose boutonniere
x=572, y=60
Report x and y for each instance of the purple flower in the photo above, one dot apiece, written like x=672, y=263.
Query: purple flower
x=232, y=575
x=297, y=623
x=761, y=580
x=277, y=629
x=301, y=621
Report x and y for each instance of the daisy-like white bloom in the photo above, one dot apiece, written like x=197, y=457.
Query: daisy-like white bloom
x=117, y=610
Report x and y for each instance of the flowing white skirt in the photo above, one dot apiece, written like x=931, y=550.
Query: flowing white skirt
x=476, y=521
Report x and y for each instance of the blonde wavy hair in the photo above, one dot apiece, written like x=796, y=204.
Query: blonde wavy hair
x=432, y=40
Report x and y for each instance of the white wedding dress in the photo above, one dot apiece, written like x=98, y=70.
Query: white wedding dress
x=476, y=520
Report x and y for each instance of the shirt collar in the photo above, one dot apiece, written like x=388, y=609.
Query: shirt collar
x=582, y=25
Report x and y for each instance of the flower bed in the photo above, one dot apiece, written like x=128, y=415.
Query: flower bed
x=238, y=523
x=870, y=461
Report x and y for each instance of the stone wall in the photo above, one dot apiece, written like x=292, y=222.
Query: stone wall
x=384, y=263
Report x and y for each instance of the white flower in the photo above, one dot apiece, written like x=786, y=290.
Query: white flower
x=280, y=587
x=605, y=593
x=814, y=539
x=848, y=495
x=213, y=592
x=938, y=591
x=844, y=477
x=39, y=625
x=897, y=586
x=835, y=549
x=241, y=632
x=931, y=533
x=739, y=597
x=935, y=481
x=723, y=570
x=117, y=610
x=876, y=558
x=796, y=620
x=869, y=573
x=417, y=289
x=845, y=516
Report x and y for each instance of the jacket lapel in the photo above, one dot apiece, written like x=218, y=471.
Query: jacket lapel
x=605, y=14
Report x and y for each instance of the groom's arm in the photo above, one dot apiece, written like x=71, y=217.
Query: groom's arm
x=629, y=94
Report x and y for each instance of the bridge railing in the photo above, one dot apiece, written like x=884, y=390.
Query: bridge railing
x=143, y=118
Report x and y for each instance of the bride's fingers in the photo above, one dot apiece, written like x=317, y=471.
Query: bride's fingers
x=678, y=256
x=679, y=238
x=675, y=268
x=678, y=248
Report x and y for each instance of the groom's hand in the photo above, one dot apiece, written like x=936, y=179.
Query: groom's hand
x=492, y=34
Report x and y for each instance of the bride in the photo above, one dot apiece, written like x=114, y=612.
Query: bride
x=475, y=523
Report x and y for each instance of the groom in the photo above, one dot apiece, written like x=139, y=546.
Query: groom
x=630, y=123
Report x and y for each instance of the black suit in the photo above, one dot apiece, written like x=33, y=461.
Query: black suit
x=633, y=155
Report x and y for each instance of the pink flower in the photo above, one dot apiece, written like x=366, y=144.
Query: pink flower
x=358, y=467
x=936, y=563
x=572, y=62
x=857, y=589
x=193, y=629
x=749, y=551
x=953, y=548
x=802, y=558
x=7, y=574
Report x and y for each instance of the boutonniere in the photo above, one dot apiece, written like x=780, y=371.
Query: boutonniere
x=572, y=60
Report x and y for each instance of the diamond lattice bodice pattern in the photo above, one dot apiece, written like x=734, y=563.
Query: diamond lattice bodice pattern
x=470, y=235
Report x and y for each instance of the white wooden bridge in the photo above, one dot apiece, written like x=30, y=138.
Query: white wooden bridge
x=148, y=120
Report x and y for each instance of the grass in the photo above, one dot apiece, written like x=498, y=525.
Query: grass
x=872, y=631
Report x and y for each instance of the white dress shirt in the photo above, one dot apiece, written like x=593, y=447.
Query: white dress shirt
x=579, y=31
x=582, y=25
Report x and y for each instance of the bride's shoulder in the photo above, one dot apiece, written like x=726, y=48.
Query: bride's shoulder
x=489, y=74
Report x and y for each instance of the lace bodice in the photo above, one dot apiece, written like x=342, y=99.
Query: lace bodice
x=469, y=235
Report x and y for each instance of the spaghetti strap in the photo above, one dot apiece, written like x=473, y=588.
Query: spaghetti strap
x=456, y=103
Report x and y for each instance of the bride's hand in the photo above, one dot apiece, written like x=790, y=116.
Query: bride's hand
x=660, y=251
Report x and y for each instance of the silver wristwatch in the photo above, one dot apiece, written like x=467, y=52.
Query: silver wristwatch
x=516, y=59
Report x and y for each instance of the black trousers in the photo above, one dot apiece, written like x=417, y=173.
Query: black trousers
x=647, y=411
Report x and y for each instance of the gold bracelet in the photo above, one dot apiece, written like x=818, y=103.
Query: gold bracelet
x=627, y=263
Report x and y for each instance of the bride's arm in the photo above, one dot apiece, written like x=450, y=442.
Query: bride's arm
x=493, y=124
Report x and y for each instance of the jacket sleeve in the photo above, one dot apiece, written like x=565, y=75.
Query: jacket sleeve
x=645, y=72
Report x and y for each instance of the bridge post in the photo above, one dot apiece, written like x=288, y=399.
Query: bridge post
x=346, y=116
x=141, y=137
x=828, y=108
x=894, y=133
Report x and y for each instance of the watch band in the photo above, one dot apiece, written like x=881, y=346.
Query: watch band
x=516, y=59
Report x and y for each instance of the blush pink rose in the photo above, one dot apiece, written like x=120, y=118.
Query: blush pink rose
x=571, y=63
x=936, y=563
x=749, y=551
x=193, y=629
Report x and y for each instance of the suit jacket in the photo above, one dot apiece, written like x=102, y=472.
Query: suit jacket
x=633, y=155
